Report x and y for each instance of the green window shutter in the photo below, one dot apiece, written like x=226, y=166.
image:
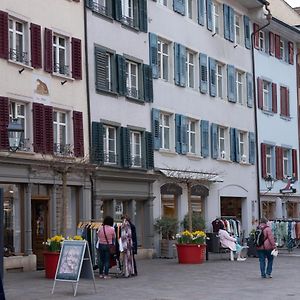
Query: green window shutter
x=179, y=64
x=214, y=140
x=247, y=32
x=203, y=73
x=209, y=14
x=121, y=74
x=226, y=21
x=118, y=10
x=233, y=144
x=97, y=151
x=143, y=20
x=101, y=61
x=155, y=128
x=153, y=40
x=212, y=77
x=179, y=6
x=149, y=150
x=184, y=137
x=125, y=147
x=204, y=129
x=252, y=148
x=249, y=80
x=201, y=11
x=237, y=146
x=231, y=83
x=178, y=133
x=148, y=83
x=89, y=4
x=231, y=24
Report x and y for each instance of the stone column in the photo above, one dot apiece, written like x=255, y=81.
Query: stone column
x=148, y=224
x=278, y=208
x=27, y=214
x=53, y=208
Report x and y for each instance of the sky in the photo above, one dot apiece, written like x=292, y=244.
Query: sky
x=293, y=3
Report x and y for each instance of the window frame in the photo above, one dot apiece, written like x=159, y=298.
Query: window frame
x=106, y=140
x=240, y=87
x=216, y=18
x=65, y=71
x=243, y=146
x=238, y=28
x=286, y=162
x=162, y=128
x=282, y=49
x=267, y=95
x=190, y=68
x=223, y=138
x=219, y=79
x=161, y=55
x=262, y=40
x=191, y=136
x=269, y=160
x=129, y=76
x=59, y=146
x=133, y=144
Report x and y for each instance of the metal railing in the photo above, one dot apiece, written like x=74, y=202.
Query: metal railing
x=133, y=93
x=62, y=149
x=25, y=145
x=101, y=9
x=128, y=21
x=110, y=158
x=136, y=161
x=61, y=69
x=18, y=56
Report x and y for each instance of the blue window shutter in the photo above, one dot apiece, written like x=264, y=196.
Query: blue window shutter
x=203, y=72
x=97, y=152
x=153, y=53
x=148, y=83
x=247, y=32
x=204, y=128
x=249, y=79
x=212, y=77
x=184, y=138
x=118, y=10
x=178, y=133
x=226, y=21
x=177, y=63
x=231, y=24
x=121, y=74
x=179, y=6
x=214, y=141
x=155, y=128
x=125, y=146
x=89, y=4
x=201, y=11
x=232, y=144
x=231, y=83
x=251, y=148
x=209, y=14
x=149, y=150
x=237, y=146
x=143, y=20
x=182, y=55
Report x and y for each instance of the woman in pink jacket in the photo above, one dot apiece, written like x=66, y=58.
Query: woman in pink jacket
x=264, y=251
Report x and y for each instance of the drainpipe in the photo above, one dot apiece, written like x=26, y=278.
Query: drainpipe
x=269, y=17
x=1, y=234
x=298, y=95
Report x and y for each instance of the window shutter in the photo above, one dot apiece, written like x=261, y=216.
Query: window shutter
x=274, y=97
x=121, y=63
x=3, y=35
x=184, y=138
x=179, y=6
x=209, y=14
x=277, y=46
x=100, y=69
x=214, y=140
x=295, y=164
x=256, y=35
x=177, y=63
x=231, y=24
x=143, y=20
x=155, y=128
x=177, y=133
x=148, y=83
x=283, y=101
x=182, y=64
x=97, y=151
x=36, y=46
x=279, y=162
x=231, y=83
x=118, y=10
x=78, y=134
x=89, y=4
x=203, y=72
x=76, y=59
x=48, y=60
x=226, y=21
x=212, y=77
x=252, y=148
x=149, y=150
x=263, y=160
x=249, y=79
x=153, y=54
x=39, y=132
x=233, y=153
x=291, y=53
x=247, y=32
x=260, y=92
x=204, y=128
x=48, y=125
x=125, y=140
x=271, y=43
x=287, y=91
x=201, y=11
x=4, y=121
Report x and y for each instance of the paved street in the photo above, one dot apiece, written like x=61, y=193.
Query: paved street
x=163, y=279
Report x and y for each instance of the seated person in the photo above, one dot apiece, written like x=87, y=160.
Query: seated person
x=230, y=242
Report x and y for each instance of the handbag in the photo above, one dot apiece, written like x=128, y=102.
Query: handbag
x=112, y=247
x=274, y=252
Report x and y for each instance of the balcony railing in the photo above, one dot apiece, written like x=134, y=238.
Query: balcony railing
x=101, y=9
x=61, y=69
x=62, y=149
x=25, y=145
x=18, y=56
x=110, y=158
x=132, y=93
x=136, y=161
x=128, y=21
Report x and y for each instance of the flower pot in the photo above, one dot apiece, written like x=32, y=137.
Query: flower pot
x=191, y=253
x=50, y=263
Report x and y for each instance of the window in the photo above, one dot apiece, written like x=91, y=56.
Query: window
x=223, y=142
x=164, y=130
x=17, y=49
x=136, y=148
x=240, y=77
x=189, y=10
x=282, y=49
x=132, y=79
x=269, y=160
x=284, y=102
x=60, y=55
x=219, y=71
x=110, y=144
x=129, y=10
x=242, y=146
x=267, y=96
x=216, y=18
x=191, y=135
x=190, y=69
x=101, y=6
x=60, y=133
x=163, y=59
x=287, y=162
x=163, y=2
x=261, y=40
x=237, y=29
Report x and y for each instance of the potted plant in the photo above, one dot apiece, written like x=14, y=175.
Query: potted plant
x=167, y=227
x=198, y=223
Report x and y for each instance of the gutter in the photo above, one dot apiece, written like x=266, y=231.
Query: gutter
x=298, y=95
x=292, y=28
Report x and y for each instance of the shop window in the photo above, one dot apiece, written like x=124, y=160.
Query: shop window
x=268, y=209
x=292, y=210
x=168, y=205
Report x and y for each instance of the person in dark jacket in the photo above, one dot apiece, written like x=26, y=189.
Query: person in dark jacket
x=2, y=296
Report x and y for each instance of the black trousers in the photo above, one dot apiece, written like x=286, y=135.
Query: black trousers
x=2, y=296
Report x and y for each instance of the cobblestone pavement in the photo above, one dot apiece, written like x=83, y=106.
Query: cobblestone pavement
x=163, y=279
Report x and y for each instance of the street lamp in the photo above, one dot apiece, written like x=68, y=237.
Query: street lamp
x=269, y=181
x=15, y=134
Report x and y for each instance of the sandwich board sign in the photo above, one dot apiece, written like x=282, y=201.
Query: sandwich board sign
x=74, y=263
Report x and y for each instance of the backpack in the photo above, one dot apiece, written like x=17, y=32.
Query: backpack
x=259, y=237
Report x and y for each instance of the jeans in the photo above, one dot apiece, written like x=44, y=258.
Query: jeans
x=104, y=261
x=263, y=255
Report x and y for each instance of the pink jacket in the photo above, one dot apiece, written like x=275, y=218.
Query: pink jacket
x=110, y=234
x=269, y=243
x=226, y=240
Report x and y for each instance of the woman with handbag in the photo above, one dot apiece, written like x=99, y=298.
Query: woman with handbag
x=106, y=245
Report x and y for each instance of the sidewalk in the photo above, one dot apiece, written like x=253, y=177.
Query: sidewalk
x=163, y=279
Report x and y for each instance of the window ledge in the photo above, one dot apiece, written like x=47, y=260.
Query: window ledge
x=224, y=160
x=285, y=118
x=244, y=163
x=102, y=15
x=62, y=76
x=126, y=26
x=167, y=152
x=107, y=92
x=139, y=101
x=20, y=64
x=194, y=156
x=267, y=112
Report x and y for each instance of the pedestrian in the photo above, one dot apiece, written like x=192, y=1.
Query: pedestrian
x=106, y=237
x=264, y=251
x=2, y=296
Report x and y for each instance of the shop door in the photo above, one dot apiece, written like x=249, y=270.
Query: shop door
x=231, y=207
x=39, y=229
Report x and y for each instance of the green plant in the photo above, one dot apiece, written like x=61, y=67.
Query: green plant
x=167, y=226
x=54, y=243
x=197, y=220
x=195, y=237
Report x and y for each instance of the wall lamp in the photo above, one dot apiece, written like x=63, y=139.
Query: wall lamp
x=269, y=181
x=15, y=132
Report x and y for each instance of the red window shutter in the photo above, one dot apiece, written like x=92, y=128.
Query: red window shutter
x=295, y=163
x=260, y=92
x=76, y=0
x=263, y=160
x=78, y=134
x=256, y=35
x=279, y=163
x=283, y=111
x=38, y=128
x=277, y=46
x=76, y=59
x=36, y=46
x=291, y=52
x=287, y=102
x=48, y=112
x=48, y=45
x=271, y=43
x=3, y=35
x=274, y=97
x=4, y=121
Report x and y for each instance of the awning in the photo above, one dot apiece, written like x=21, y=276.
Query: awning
x=191, y=175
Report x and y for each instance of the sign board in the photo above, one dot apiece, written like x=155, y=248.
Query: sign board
x=74, y=263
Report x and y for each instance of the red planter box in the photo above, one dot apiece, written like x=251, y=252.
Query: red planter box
x=50, y=263
x=191, y=253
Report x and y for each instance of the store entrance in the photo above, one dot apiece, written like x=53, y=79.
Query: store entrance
x=231, y=207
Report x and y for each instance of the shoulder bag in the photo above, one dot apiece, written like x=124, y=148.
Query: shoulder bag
x=112, y=247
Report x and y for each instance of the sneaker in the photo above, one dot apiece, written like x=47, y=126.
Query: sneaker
x=107, y=277
x=241, y=258
x=101, y=276
x=269, y=276
x=263, y=276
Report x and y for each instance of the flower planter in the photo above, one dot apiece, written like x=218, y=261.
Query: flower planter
x=50, y=263
x=191, y=253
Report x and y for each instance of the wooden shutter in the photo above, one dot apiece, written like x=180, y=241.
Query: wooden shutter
x=283, y=101
x=231, y=83
x=48, y=59
x=263, y=160
x=76, y=59
x=277, y=46
x=48, y=125
x=260, y=92
x=212, y=77
x=97, y=151
x=182, y=65
x=3, y=35
x=183, y=134
x=214, y=140
x=256, y=35
x=291, y=52
x=143, y=20
x=121, y=74
x=233, y=152
x=226, y=21
x=295, y=163
x=36, y=46
x=279, y=162
x=274, y=97
x=118, y=10
x=177, y=63
x=4, y=121
x=271, y=43
x=203, y=72
x=247, y=32
x=39, y=131
x=148, y=83
x=249, y=80
x=125, y=146
x=231, y=24
x=209, y=14
x=204, y=129
x=78, y=134
x=179, y=6
x=149, y=150
x=101, y=69
x=153, y=40
x=155, y=128
x=201, y=11
x=287, y=91
x=252, y=148
x=177, y=133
